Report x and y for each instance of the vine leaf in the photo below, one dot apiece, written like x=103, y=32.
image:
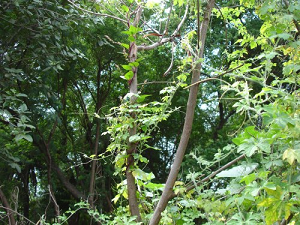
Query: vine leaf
x=291, y=155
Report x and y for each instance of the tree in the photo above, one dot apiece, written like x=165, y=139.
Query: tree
x=64, y=78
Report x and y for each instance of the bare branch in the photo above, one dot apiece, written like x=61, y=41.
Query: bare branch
x=19, y=214
x=215, y=173
x=182, y=21
x=172, y=61
x=215, y=77
x=168, y=20
x=156, y=82
x=9, y=211
x=97, y=14
x=168, y=39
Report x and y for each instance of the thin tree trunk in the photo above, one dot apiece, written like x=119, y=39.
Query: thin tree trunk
x=131, y=186
x=96, y=143
x=191, y=104
x=93, y=170
x=8, y=209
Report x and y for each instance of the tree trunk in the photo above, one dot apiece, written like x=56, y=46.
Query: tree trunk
x=70, y=187
x=191, y=104
x=93, y=170
x=92, y=187
x=131, y=187
x=8, y=209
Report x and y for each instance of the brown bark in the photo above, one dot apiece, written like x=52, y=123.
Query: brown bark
x=215, y=173
x=93, y=169
x=131, y=186
x=25, y=195
x=49, y=170
x=191, y=104
x=96, y=143
x=222, y=118
x=8, y=209
x=70, y=187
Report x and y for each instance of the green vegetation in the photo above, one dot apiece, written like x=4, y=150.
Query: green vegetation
x=149, y=112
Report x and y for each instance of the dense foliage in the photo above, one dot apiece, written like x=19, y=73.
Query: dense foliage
x=147, y=112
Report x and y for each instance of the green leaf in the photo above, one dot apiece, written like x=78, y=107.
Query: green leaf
x=253, y=44
x=179, y=2
x=263, y=145
x=125, y=8
x=238, y=140
x=267, y=202
x=129, y=75
x=28, y=137
x=116, y=198
x=248, y=179
x=141, y=175
x=153, y=186
x=125, y=45
x=277, y=193
x=131, y=39
x=127, y=67
x=251, y=130
x=23, y=136
x=142, y=98
x=134, y=64
x=248, y=147
x=138, y=137
x=270, y=186
x=134, y=30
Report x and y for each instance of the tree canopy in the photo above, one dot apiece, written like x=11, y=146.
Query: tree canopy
x=149, y=112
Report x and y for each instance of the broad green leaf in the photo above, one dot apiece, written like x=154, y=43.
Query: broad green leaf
x=129, y=75
x=116, y=198
x=127, y=67
x=267, y=202
x=125, y=45
x=134, y=30
x=178, y=2
x=277, y=193
x=23, y=136
x=28, y=137
x=153, y=186
x=270, y=186
x=131, y=38
x=248, y=179
x=141, y=175
x=142, y=98
x=248, y=147
x=134, y=64
x=138, y=137
x=125, y=8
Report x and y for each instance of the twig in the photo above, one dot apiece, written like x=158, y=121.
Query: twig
x=165, y=40
x=156, y=82
x=54, y=200
x=97, y=14
x=215, y=173
x=212, y=78
x=168, y=20
x=17, y=214
x=172, y=61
